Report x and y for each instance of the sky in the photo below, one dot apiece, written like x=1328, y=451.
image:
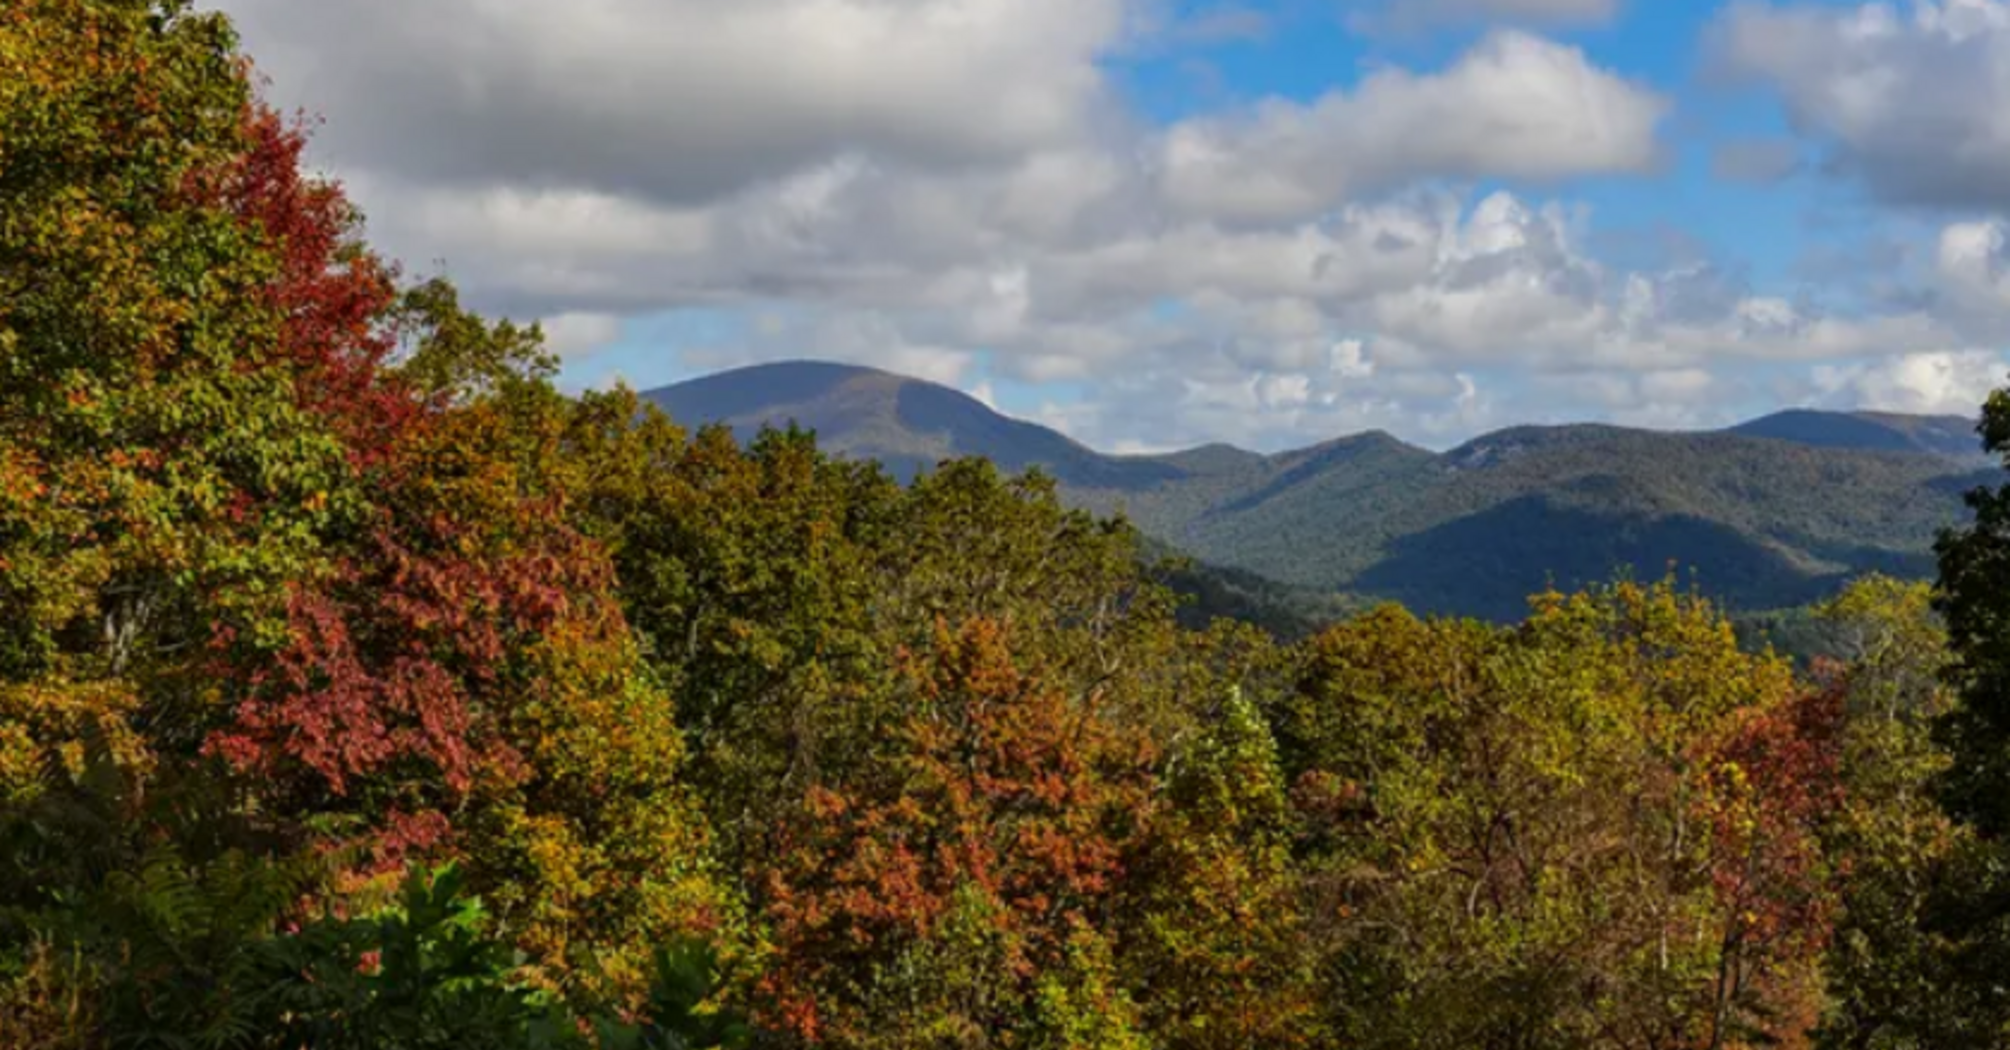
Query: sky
x=1158, y=223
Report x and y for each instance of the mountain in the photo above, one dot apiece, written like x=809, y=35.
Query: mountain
x=906, y=424
x=1764, y=523
x=1767, y=515
x=1951, y=436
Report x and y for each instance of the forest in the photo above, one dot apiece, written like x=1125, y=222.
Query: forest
x=359, y=688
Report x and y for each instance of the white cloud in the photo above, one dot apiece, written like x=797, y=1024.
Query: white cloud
x=859, y=337
x=1947, y=382
x=579, y=334
x=1669, y=399
x=1517, y=105
x=682, y=100
x=1972, y=262
x=1289, y=332
x=1916, y=102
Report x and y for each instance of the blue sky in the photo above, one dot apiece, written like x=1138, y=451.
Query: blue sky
x=1154, y=223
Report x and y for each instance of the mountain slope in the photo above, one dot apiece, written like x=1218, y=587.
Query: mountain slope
x=1763, y=523
x=1767, y=515
x=1951, y=436
x=906, y=424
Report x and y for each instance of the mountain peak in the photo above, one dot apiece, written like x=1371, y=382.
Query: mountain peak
x=909, y=425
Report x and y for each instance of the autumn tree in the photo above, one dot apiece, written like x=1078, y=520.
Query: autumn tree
x=933, y=899
x=323, y=614
x=281, y=574
x=1551, y=835
x=772, y=586
x=162, y=473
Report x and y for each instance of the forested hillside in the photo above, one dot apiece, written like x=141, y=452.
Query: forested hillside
x=358, y=688
x=1773, y=514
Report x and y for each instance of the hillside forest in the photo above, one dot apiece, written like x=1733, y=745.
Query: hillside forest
x=359, y=688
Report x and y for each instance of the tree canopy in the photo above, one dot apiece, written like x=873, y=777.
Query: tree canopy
x=358, y=687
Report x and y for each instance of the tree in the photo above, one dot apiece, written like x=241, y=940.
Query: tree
x=935, y=898
x=748, y=576
x=1596, y=829
x=1974, y=568
x=1212, y=933
x=162, y=475
x=281, y=571
x=1975, y=788
x=1888, y=970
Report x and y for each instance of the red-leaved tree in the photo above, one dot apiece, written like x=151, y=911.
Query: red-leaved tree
x=930, y=900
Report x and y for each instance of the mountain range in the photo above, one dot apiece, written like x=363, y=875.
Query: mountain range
x=1769, y=514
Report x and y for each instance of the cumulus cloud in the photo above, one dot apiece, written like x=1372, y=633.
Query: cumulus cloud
x=1912, y=100
x=578, y=334
x=1945, y=382
x=1517, y=105
x=857, y=337
x=1974, y=264
x=1667, y=399
x=1272, y=275
x=682, y=100
x=1275, y=334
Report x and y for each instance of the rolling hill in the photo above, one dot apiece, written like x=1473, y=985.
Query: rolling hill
x=1770, y=514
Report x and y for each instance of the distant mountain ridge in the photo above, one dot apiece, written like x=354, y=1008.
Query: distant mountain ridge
x=1950, y=436
x=1770, y=513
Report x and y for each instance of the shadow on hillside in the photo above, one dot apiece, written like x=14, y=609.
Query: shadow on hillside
x=1912, y=565
x=1487, y=564
x=1962, y=484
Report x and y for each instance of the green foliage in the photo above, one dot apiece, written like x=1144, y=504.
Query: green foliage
x=190, y=943
x=423, y=973
x=1453, y=773
x=1974, y=598
x=1890, y=973
x=181, y=955
x=1972, y=589
x=1214, y=938
x=1208, y=593
x=449, y=352
x=1079, y=1004
x=683, y=1011
x=167, y=952
x=271, y=585
x=48, y=998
